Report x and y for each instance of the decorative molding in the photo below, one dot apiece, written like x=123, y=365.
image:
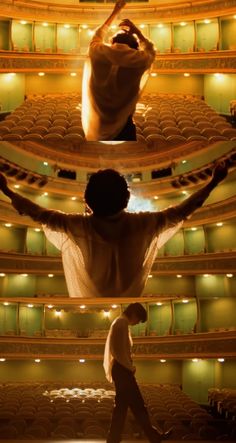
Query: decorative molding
x=35, y=62
x=85, y=12
x=217, y=263
x=198, y=62
x=202, y=345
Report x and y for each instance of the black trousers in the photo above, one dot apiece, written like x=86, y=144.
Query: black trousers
x=128, y=395
x=128, y=133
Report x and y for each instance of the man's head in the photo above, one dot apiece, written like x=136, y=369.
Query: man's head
x=107, y=193
x=135, y=313
x=126, y=38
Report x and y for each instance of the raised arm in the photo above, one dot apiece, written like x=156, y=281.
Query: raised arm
x=98, y=36
x=55, y=220
x=187, y=207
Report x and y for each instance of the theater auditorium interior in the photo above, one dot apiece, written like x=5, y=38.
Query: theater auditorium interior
x=52, y=382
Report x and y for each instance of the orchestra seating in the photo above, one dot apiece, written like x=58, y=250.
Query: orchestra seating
x=161, y=120
x=30, y=411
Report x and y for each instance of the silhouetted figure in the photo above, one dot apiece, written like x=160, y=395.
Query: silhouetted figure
x=114, y=76
x=119, y=368
x=109, y=252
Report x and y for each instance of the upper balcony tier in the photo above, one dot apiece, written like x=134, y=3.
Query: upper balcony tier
x=71, y=10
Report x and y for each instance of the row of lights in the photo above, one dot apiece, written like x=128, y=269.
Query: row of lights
x=38, y=360
x=207, y=21
x=42, y=74
x=153, y=74
x=2, y=274
x=9, y=225
x=162, y=360
x=204, y=275
x=187, y=74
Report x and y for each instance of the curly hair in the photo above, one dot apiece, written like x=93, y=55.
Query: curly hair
x=107, y=192
x=126, y=38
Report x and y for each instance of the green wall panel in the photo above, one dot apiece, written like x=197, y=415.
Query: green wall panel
x=35, y=242
x=19, y=285
x=185, y=317
x=160, y=319
x=197, y=378
x=4, y=35
x=161, y=36
x=12, y=90
x=8, y=316
x=219, y=91
x=21, y=36
x=210, y=286
x=183, y=37
x=228, y=34
x=218, y=313
x=30, y=319
x=207, y=36
x=12, y=239
x=45, y=37
x=194, y=241
x=175, y=246
x=67, y=39
x=221, y=238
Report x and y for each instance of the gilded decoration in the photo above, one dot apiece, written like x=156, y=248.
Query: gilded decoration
x=196, y=264
x=151, y=12
x=184, y=346
x=223, y=61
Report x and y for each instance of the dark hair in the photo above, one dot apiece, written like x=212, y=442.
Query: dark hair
x=107, y=192
x=126, y=38
x=138, y=310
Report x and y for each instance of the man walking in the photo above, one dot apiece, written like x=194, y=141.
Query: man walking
x=119, y=368
x=114, y=76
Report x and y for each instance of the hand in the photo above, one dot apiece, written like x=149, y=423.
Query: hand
x=220, y=172
x=126, y=23
x=3, y=183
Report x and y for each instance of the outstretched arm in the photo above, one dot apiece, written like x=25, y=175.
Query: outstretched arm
x=175, y=214
x=197, y=199
x=56, y=220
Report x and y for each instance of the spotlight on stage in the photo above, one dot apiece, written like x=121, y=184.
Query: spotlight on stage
x=113, y=142
x=138, y=204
